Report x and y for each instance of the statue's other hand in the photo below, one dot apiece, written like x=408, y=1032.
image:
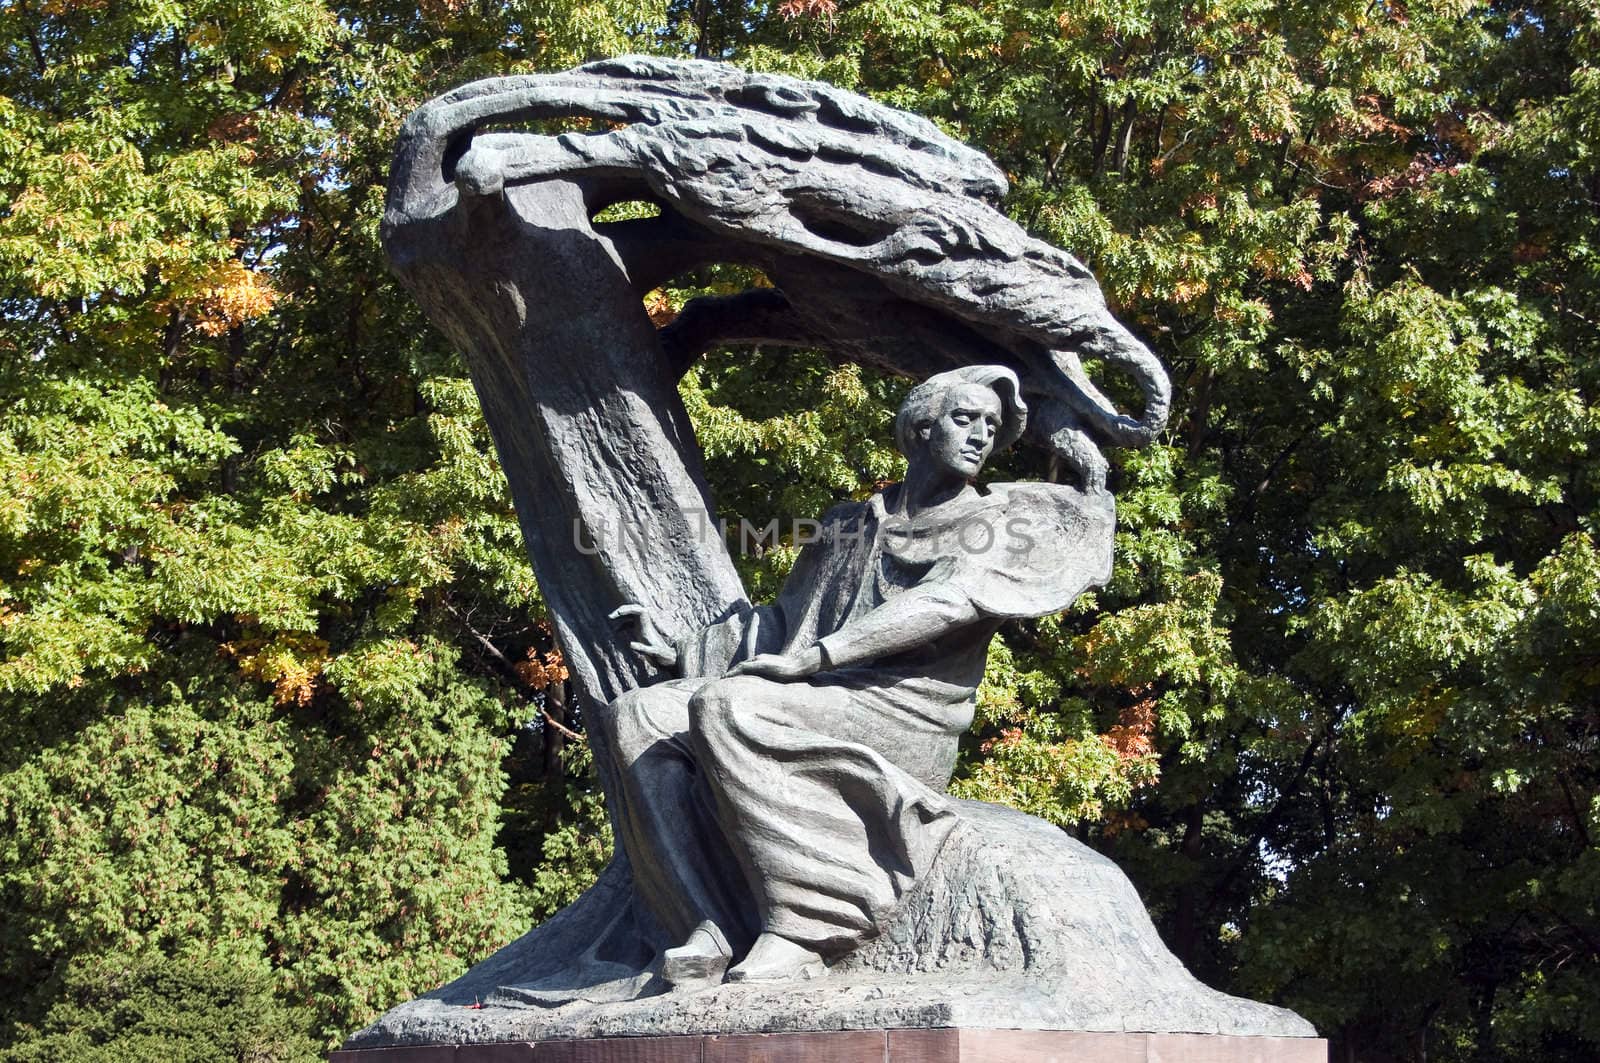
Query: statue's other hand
x=781, y=666
x=651, y=643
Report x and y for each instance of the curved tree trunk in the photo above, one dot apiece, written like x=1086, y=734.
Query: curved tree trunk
x=599, y=453
x=585, y=415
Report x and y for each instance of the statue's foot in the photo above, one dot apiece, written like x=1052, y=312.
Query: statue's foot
x=699, y=962
x=777, y=959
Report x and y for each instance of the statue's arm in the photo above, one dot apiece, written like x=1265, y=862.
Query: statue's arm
x=907, y=621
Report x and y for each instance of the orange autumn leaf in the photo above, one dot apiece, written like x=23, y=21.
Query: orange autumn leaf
x=542, y=669
x=229, y=295
x=1133, y=735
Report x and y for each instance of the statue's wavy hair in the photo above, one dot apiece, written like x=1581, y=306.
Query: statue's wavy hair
x=924, y=404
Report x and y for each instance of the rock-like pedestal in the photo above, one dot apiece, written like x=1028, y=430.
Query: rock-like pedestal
x=873, y=1046
x=1022, y=945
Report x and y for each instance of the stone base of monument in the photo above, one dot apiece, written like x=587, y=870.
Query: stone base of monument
x=872, y=1046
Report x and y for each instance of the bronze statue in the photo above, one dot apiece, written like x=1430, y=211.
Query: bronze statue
x=775, y=774
x=788, y=789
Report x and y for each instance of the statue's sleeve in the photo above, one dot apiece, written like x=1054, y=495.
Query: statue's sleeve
x=912, y=618
x=1047, y=544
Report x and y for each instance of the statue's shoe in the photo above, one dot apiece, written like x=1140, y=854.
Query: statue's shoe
x=699, y=962
x=777, y=959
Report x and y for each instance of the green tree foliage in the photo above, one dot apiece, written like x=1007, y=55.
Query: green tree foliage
x=268, y=641
x=110, y=1010
x=274, y=688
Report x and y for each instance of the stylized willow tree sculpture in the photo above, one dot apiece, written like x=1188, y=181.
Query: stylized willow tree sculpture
x=879, y=233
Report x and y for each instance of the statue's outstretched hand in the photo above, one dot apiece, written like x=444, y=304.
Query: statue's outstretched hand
x=781, y=666
x=651, y=643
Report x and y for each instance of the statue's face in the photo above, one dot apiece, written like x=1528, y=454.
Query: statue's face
x=961, y=438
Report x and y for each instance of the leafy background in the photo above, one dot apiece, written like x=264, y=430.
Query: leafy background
x=284, y=738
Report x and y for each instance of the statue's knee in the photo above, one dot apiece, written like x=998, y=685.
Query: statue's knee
x=711, y=708
x=620, y=721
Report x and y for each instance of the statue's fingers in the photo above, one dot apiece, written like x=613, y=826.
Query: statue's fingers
x=648, y=627
x=623, y=611
x=656, y=652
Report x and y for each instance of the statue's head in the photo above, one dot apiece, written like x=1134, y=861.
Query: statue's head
x=957, y=419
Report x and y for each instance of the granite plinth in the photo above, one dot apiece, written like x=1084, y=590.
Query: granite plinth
x=872, y=1046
